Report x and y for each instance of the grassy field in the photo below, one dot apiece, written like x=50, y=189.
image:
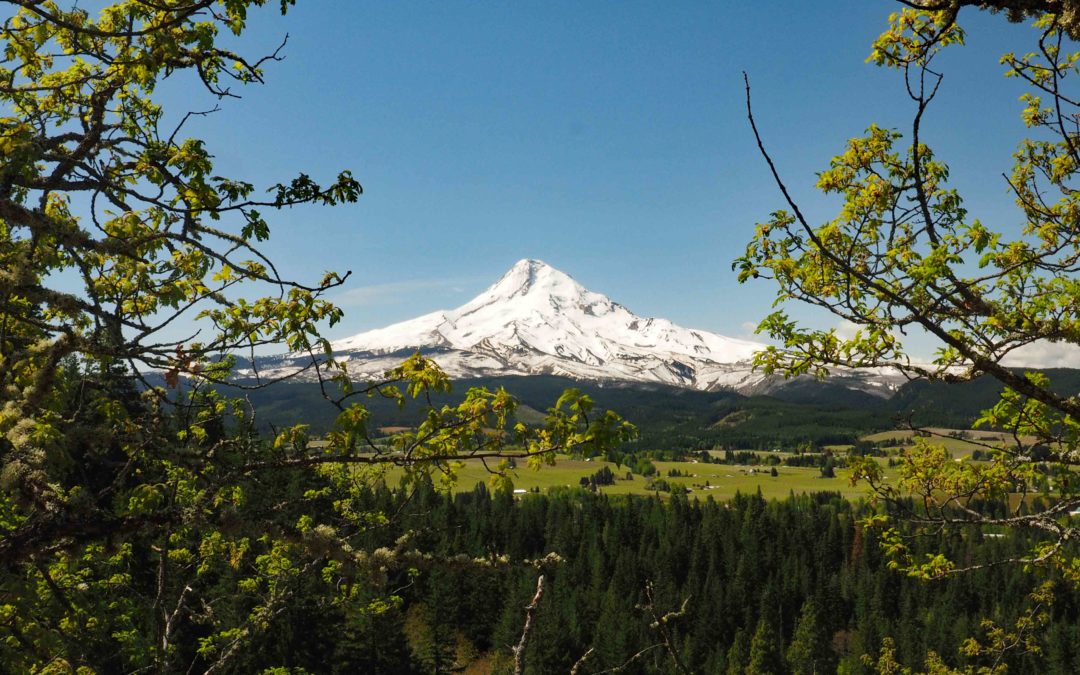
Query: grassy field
x=724, y=480
x=719, y=481
x=959, y=447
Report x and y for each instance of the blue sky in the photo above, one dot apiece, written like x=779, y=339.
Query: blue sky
x=606, y=138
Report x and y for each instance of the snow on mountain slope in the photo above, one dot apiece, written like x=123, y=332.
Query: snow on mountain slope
x=538, y=320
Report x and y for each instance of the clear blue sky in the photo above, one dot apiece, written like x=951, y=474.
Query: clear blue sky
x=606, y=138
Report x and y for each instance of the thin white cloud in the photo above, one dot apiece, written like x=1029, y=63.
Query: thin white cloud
x=1044, y=354
x=376, y=294
x=1041, y=354
x=845, y=330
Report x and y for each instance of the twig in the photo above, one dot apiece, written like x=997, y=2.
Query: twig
x=580, y=662
x=660, y=624
x=530, y=615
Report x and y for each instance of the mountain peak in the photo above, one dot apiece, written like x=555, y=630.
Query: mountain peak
x=537, y=319
x=534, y=277
x=530, y=264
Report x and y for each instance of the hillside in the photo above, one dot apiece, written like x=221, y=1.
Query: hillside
x=679, y=418
x=668, y=417
x=958, y=405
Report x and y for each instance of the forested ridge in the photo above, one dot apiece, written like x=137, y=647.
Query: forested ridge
x=793, y=586
x=672, y=418
x=668, y=418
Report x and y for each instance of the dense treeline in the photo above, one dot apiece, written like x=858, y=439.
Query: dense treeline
x=769, y=587
x=677, y=420
x=670, y=419
x=957, y=404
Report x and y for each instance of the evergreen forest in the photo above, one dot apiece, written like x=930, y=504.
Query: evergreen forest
x=754, y=586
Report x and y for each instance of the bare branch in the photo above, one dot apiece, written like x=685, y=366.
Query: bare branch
x=530, y=615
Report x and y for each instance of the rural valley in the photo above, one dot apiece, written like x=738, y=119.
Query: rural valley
x=539, y=338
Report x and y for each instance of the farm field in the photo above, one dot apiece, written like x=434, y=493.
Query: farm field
x=959, y=442
x=959, y=447
x=719, y=481
x=723, y=480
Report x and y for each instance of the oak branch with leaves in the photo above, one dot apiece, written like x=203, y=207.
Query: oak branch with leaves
x=904, y=256
x=145, y=525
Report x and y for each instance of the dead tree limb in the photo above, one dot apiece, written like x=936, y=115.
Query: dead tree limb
x=581, y=662
x=660, y=624
x=530, y=616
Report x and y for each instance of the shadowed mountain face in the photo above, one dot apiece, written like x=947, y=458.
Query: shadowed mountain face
x=537, y=320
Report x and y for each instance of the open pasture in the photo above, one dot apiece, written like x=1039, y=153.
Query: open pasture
x=719, y=481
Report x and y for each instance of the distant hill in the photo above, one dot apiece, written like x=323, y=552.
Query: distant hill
x=672, y=417
x=958, y=405
x=668, y=417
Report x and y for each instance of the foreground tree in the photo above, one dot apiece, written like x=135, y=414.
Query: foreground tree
x=143, y=523
x=905, y=257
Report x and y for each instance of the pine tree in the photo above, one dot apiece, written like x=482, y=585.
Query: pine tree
x=809, y=651
x=738, y=654
x=435, y=636
x=765, y=656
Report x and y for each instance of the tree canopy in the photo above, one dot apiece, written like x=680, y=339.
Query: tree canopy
x=143, y=523
x=904, y=255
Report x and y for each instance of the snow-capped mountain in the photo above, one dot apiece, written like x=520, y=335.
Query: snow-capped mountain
x=538, y=320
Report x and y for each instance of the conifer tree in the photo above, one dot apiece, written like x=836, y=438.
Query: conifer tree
x=765, y=651
x=809, y=653
x=738, y=655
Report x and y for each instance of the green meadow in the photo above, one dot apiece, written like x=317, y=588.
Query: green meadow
x=719, y=481
x=722, y=481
